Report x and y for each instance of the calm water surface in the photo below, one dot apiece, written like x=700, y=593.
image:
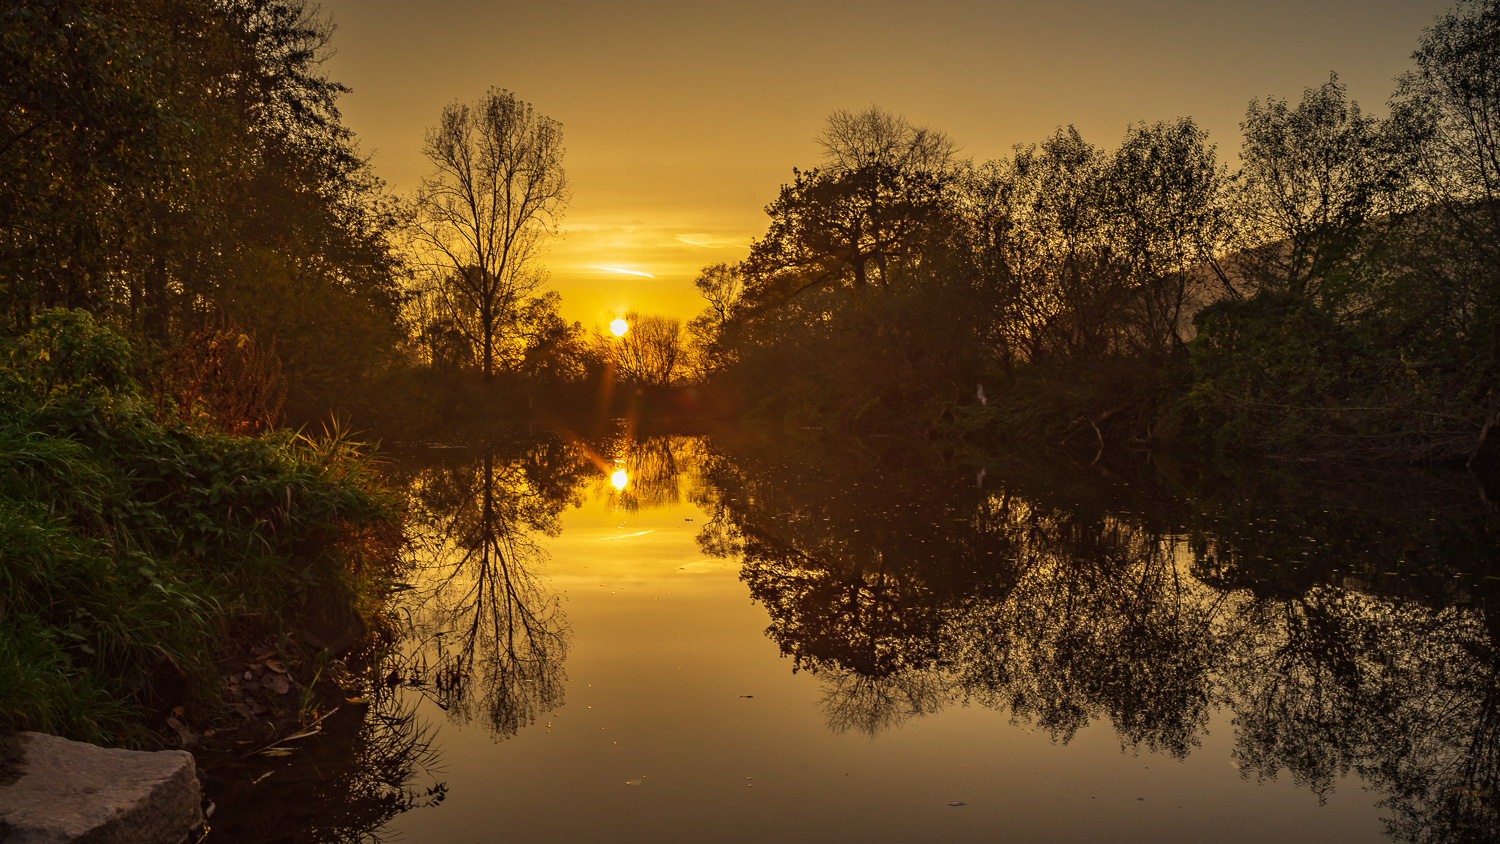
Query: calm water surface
x=749, y=638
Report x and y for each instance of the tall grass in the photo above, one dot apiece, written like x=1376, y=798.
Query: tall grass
x=131, y=551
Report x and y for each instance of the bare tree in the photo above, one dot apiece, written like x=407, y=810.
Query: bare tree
x=851, y=141
x=495, y=195
x=651, y=352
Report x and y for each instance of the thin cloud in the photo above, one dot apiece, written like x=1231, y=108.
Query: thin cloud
x=618, y=270
x=709, y=241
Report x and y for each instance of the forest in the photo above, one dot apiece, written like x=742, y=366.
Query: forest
x=195, y=252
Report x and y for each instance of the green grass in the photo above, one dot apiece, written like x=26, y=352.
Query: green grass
x=131, y=551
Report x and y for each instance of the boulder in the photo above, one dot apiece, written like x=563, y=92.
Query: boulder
x=53, y=790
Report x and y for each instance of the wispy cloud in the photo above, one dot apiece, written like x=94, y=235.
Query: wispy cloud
x=711, y=241
x=618, y=270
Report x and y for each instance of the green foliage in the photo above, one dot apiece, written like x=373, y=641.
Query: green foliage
x=1277, y=373
x=68, y=353
x=169, y=158
x=130, y=550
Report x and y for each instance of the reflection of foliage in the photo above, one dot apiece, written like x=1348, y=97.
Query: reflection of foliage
x=343, y=790
x=1099, y=621
x=1344, y=633
x=491, y=639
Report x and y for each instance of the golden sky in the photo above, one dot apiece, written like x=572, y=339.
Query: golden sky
x=681, y=120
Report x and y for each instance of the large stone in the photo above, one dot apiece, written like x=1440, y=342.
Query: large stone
x=53, y=790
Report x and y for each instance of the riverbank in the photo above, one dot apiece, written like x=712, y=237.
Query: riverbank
x=144, y=560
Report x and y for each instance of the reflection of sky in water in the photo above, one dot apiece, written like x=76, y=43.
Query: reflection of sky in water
x=682, y=721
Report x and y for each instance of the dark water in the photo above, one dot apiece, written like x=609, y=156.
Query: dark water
x=747, y=638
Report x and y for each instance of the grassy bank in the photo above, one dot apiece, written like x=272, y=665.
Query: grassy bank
x=133, y=552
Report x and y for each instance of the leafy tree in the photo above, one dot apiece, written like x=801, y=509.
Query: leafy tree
x=1452, y=101
x=548, y=349
x=1080, y=252
x=723, y=286
x=101, y=130
x=862, y=219
x=1166, y=199
x=168, y=159
x=1313, y=178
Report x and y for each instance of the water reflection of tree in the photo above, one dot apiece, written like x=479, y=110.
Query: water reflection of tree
x=655, y=467
x=392, y=749
x=344, y=789
x=490, y=637
x=1333, y=634
x=1097, y=621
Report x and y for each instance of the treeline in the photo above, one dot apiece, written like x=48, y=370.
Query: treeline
x=190, y=242
x=1335, y=294
x=171, y=165
x=178, y=168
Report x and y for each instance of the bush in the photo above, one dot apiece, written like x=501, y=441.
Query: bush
x=131, y=552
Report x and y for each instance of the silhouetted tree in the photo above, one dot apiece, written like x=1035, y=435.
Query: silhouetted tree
x=723, y=286
x=652, y=351
x=1452, y=101
x=1313, y=177
x=483, y=216
x=860, y=220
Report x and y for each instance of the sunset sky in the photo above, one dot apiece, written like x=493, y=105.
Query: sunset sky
x=681, y=120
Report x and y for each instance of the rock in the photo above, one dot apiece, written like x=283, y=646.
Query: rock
x=53, y=790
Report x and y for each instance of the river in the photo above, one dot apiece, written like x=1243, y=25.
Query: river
x=801, y=637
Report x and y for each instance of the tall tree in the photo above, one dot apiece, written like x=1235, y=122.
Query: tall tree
x=167, y=159
x=495, y=196
x=1165, y=201
x=861, y=219
x=1453, y=97
x=1312, y=177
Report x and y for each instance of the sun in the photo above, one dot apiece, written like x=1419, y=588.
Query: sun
x=619, y=327
x=619, y=479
